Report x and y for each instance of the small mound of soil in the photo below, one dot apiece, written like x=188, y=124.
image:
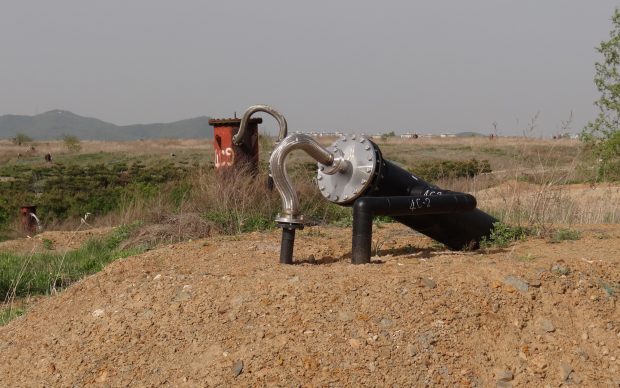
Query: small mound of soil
x=222, y=312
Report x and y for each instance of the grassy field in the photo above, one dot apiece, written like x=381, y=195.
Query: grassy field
x=118, y=182
x=169, y=192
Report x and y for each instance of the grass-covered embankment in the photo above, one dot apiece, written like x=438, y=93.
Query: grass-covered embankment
x=40, y=273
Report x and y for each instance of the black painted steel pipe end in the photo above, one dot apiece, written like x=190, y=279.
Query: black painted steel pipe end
x=288, y=241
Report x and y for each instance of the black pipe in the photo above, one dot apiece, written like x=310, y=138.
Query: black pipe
x=286, y=246
x=456, y=231
x=407, y=208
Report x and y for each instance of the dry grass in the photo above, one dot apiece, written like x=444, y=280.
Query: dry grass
x=155, y=147
x=239, y=203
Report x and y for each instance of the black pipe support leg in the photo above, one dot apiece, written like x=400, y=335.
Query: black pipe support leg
x=407, y=209
x=288, y=242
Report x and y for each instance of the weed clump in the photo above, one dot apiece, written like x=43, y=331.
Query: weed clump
x=8, y=314
x=564, y=234
x=503, y=235
x=450, y=169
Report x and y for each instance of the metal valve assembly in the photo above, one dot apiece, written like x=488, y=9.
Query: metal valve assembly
x=353, y=172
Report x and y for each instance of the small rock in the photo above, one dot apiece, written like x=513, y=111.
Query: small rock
x=355, y=343
x=540, y=363
x=182, y=296
x=560, y=269
x=430, y=283
x=385, y=322
x=565, y=370
x=517, y=283
x=605, y=351
x=237, y=368
x=546, y=325
x=411, y=350
x=157, y=277
x=495, y=307
x=103, y=376
x=503, y=375
x=427, y=339
x=97, y=313
x=584, y=336
x=535, y=283
x=346, y=316
x=372, y=366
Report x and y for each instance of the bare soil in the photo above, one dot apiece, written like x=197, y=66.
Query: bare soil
x=53, y=240
x=222, y=312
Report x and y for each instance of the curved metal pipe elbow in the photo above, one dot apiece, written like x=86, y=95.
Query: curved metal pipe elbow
x=277, y=165
x=238, y=138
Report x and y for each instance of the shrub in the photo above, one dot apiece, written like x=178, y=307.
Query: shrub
x=563, y=234
x=503, y=235
x=72, y=143
x=602, y=135
x=451, y=169
x=21, y=139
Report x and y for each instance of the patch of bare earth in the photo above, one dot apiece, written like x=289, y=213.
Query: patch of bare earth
x=222, y=311
x=53, y=240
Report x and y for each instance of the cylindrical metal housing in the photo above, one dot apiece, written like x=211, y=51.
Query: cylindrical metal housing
x=231, y=155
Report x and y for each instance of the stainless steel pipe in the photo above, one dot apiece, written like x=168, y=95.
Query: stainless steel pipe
x=331, y=163
x=238, y=138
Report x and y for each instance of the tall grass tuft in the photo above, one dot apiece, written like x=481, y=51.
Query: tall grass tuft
x=48, y=271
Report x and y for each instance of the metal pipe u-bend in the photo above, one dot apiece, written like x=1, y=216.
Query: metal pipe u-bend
x=238, y=138
x=299, y=141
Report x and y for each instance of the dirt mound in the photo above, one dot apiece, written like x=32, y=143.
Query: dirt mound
x=52, y=240
x=221, y=311
x=170, y=229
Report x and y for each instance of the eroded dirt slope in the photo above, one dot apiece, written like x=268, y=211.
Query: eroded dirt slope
x=221, y=311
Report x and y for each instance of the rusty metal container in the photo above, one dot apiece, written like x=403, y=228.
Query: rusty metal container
x=229, y=155
x=28, y=218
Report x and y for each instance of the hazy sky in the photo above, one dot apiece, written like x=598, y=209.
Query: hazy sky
x=427, y=66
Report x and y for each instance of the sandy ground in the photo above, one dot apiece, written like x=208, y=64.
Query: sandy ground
x=222, y=312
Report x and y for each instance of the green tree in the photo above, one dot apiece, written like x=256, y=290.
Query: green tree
x=72, y=143
x=20, y=139
x=603, y=134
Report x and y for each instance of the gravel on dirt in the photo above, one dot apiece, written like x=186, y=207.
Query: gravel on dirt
x=223, y=312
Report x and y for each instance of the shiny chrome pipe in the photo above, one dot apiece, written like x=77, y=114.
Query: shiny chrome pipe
x=330, y=163
x=238, y=138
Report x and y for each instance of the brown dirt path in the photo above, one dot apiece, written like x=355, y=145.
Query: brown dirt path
x=222, y=312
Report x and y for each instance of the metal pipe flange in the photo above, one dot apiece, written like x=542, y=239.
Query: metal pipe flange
x=357, y=164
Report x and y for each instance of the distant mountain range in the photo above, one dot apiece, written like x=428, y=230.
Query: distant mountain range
x=56, y=123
